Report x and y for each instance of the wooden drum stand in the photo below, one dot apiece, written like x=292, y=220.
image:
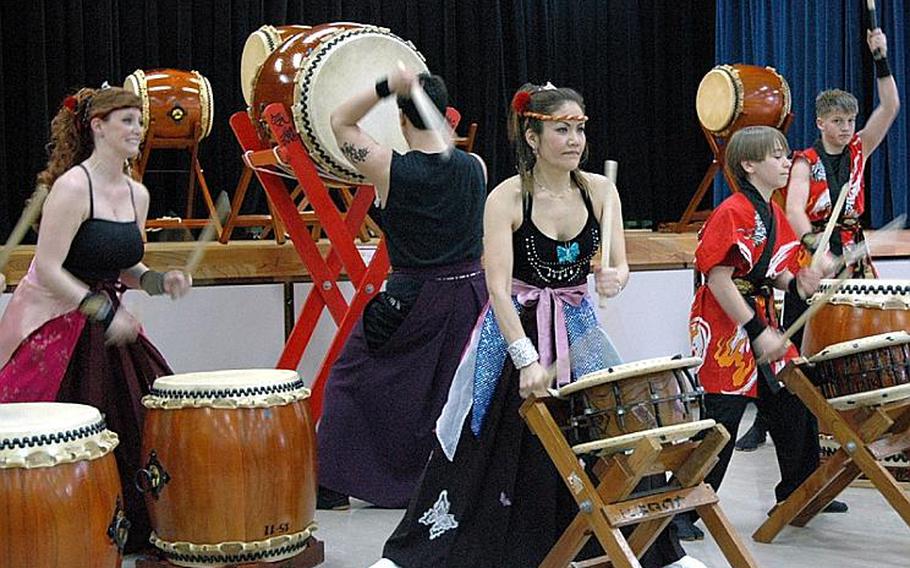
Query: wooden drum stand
x=341, y=229
x=875, y=430
x=604, y=509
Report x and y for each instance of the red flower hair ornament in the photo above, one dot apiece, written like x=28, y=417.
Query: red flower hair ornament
x=520, y=102
x=70, y=103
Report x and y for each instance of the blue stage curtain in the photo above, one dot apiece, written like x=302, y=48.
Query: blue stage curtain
x=820, y=45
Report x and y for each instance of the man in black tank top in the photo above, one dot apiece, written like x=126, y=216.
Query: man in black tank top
x=389, y=384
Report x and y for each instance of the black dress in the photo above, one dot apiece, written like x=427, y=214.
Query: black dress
x=501, y=503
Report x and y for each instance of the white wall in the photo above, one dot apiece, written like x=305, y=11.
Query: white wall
x=229, y=327
x=650, y=318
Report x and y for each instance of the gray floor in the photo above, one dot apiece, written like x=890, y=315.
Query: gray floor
x=871, y=535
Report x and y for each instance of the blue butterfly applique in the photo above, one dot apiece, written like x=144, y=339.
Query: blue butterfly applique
x=567, y=254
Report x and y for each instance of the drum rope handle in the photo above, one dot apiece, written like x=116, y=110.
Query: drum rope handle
x=119, y=528
x=152, y=478
x=279, y=173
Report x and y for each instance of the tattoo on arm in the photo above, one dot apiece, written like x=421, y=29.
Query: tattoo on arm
x=353, y=153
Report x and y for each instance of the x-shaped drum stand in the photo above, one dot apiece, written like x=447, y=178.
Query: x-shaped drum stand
x=604, y=509
x=341, y=230
x=872, y=430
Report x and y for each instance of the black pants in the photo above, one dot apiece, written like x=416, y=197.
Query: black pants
x=794, y=306
x=792, y=427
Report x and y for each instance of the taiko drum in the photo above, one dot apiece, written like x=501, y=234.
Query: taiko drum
x=230, y=472
x=176, y=104
x=731, y=97
x=60, y=497
x=258, y=46
x=312, y=72
x=633, y=397
x=859, y=308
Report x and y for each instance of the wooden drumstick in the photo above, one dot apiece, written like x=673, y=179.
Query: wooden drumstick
x=222, y=209
x=26, y=220
x=829, y=228
x=430, y=115
x=606, y=225
x=873, y=24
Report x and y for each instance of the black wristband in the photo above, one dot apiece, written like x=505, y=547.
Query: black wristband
x=382, y=88
x=882, y=69
x=793, y=288
x=754, y=327
x=152, y=282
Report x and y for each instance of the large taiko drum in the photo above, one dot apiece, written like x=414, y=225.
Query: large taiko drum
x=60, y=494
x=230, y=476
x=256, y=50
x=859, y=308
x=731, y=97
x=626, y=401
x=313, y=71
x=863, y=371
x=176, y=104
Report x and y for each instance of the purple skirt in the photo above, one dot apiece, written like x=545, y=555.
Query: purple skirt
x=381, y=406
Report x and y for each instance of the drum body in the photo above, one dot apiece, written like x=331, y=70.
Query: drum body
x=231, y=466
x=313, y=71
x=862, y=365
x=860, y=308
x=60, y=494
x=731, y=97
x=633, y=397
x=176, y=104
x=256, y=50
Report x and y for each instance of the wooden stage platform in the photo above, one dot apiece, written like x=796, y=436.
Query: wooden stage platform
x=249, y=262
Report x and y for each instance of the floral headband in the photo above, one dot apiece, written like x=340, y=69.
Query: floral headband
x=522, y=99
x=79, y=109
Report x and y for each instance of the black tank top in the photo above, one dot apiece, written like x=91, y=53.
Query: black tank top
x=101, y=247
x=434, y=211
x=547, y=263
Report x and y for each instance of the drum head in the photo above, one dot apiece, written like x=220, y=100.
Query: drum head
x=861, y=345
x=43, y=419
x=256, y=49
x=237, y=379
x=349, y=62
x=46, y=434
x=136, y=83
x=206, y=103
x=627, y=370
x=716, y=99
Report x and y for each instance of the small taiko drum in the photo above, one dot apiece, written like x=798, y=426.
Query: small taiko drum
x=313, y=71
x=731, y=97
x=230, y=476
x=257, y=48
x=625, y=401
x=859, y=308
x=862, y=372
x=176, y=104
x=60, y=496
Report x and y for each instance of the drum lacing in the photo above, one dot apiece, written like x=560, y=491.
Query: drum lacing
x=321, y=156
x=53, y=438
x=240, y=558
x=278, y=160
x=229, y=393
x=871, y=288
